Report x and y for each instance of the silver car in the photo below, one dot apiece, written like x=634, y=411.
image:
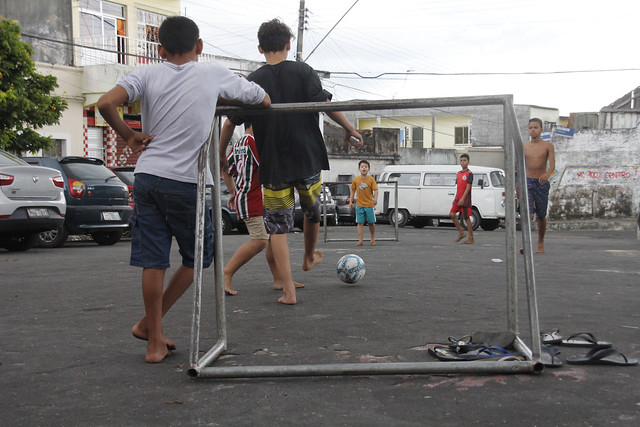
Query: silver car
x=31, y=200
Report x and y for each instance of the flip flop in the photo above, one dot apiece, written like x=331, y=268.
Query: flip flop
x=551, y=337
x=602, y=355
x=483, y=353
x=584, y=339
x=550, y=357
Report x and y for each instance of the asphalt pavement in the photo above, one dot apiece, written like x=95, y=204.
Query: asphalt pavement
x=68, y=358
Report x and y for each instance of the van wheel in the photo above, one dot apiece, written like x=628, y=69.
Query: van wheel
x=435, y=222
x=475, y=220
x=54, y=238
x=419, y=222
x=227, y=224
x=403, y=217
x=489, y=224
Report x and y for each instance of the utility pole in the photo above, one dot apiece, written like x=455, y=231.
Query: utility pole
x=301, y=21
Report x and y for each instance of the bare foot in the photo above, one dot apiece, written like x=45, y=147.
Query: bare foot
x=460, y=237
x=278, y=287
x=154, y=355
x=308, y=265
x=359, y=243
x=373, y=243
x=230, y=292
x=284, y=299
x=540, y=249
x=141, y=334
x=469, y=242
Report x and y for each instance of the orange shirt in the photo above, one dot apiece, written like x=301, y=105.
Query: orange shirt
x=364, y=190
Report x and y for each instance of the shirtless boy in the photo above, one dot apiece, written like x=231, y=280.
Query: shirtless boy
x=536, y=155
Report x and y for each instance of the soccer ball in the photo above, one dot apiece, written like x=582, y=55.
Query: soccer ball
x=350, y=268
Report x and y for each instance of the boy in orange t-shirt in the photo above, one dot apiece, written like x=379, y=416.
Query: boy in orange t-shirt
x=367, y=198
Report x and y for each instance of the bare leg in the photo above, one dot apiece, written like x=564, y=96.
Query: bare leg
x=372, y=230
x=178, y=284
x=243, y=254
x=360, y=233
x=470, y=240
x=152, y=281
x=312, y=257
x=461, y=234
x=277, y=285
x=280, y=250
x=542, y=228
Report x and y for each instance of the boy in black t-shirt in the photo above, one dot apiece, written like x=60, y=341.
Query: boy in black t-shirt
x=291, y=149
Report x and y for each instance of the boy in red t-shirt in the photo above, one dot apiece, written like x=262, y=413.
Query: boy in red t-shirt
x=462, y=201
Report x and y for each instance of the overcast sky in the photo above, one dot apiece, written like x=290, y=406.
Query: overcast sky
x=507, y=39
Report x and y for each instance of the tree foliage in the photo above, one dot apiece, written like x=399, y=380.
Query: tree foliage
x=25, y=100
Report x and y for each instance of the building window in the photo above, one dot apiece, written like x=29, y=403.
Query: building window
x=462, y=134
x=148, y=40
x=102, y=25
x=549, y=125
x=418, y=140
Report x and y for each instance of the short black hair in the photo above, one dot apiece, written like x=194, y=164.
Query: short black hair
x=464, y=156
x=274, y=35
x=536, y=120
x=178, y=34
x=364, y=161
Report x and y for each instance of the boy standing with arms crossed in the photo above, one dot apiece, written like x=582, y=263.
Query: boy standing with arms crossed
x=367, y=197
x=177, y=113
x=536, y=155
x=291, y=149
x=462, y=201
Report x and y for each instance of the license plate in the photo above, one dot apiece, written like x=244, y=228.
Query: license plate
x=110, y=216
x=38, y=212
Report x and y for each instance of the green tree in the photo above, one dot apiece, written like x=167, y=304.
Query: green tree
x=25, y=100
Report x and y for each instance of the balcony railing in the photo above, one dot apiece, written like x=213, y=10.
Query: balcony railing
x=120, y=50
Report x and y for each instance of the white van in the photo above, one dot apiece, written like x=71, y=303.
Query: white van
x=426, y=193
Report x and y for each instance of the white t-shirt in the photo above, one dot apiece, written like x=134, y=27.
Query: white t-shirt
x=178, y=107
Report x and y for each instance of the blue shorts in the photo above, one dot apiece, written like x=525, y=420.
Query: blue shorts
x=164, y=209
x=365, y=214
x=538, y=194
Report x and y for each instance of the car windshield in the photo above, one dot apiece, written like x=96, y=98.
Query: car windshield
x=497, y=179
x=8, y=159
x=82, y=171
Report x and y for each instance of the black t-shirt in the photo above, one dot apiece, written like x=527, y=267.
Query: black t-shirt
x=290, y=146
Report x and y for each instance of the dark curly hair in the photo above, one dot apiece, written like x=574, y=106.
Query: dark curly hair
x=274, y=35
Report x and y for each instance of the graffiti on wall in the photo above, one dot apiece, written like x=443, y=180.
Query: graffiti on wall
x=601, y=175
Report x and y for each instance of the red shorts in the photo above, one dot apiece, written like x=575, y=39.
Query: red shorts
x=465, y=211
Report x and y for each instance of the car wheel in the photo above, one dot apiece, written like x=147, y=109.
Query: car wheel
x=227, y=225
x=489, y=224
x=403, y=217
x=20, y=242
x=475, y=220
x=55, y=238
x=107, y=238
x=332, y=219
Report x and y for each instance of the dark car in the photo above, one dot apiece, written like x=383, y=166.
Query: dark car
x=340, y=193
x=125, y=173
x=332, y=210
x=97, y=201
x=31, y=200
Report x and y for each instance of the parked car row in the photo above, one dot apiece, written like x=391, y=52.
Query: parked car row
x=31, y=201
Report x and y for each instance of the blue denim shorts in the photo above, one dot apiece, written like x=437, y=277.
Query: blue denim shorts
x=163, y=209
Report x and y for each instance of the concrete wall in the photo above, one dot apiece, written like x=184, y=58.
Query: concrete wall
x=70, y=129
x=50, y=19
x=597, y=175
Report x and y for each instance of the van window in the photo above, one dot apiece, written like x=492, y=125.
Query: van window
x=477, y=178
x=440, y=179
x=412, y=179
x=497, y=179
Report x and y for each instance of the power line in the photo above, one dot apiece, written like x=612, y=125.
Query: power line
x=516, y=73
